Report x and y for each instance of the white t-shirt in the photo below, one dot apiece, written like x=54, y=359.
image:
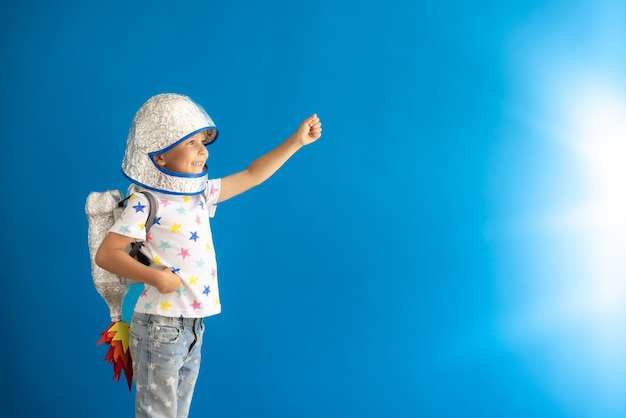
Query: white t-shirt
x=180, y=238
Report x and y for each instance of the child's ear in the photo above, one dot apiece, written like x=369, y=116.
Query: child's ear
x=159, y=160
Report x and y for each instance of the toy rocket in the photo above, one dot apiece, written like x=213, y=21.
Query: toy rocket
x=100, y=208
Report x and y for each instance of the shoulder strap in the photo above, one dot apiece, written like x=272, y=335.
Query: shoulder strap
x=151, y=213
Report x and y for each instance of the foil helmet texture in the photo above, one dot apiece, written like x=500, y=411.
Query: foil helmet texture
x=160, y=124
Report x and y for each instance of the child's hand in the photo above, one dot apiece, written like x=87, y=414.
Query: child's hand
x=168, y=281
x=309, y=131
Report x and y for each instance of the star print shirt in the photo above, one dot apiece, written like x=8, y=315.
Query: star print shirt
x=180, y=238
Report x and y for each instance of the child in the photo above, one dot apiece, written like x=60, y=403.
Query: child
x=166, y=155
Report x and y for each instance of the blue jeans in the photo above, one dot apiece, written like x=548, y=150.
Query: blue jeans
x=166, y=360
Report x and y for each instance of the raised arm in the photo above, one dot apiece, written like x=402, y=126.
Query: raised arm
x=265, y=166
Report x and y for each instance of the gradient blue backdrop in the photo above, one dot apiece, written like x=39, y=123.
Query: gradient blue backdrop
x=396, y=268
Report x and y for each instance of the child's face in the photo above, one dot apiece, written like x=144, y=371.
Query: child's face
x=188, y=157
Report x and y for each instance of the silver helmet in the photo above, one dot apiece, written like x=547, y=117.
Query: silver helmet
x=160, y=124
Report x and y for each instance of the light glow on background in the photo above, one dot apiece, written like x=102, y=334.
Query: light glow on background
x=569, y=319
x=599, y=139
x=573, y=328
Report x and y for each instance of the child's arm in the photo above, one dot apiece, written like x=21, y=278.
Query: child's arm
x=112, y=256
x=265, y=166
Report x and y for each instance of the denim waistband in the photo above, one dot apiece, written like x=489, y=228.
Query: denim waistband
x=176, y=321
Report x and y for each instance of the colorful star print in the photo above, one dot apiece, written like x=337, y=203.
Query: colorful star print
x=184, y=253
x=179, y=239
x=139, y=207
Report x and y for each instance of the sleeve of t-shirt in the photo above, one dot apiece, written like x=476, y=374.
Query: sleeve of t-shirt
x=211, y=194
x=132, y=221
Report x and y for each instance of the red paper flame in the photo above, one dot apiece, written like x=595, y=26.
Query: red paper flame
x=117, y=337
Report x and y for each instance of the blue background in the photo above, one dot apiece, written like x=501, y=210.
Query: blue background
x=451, y=247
